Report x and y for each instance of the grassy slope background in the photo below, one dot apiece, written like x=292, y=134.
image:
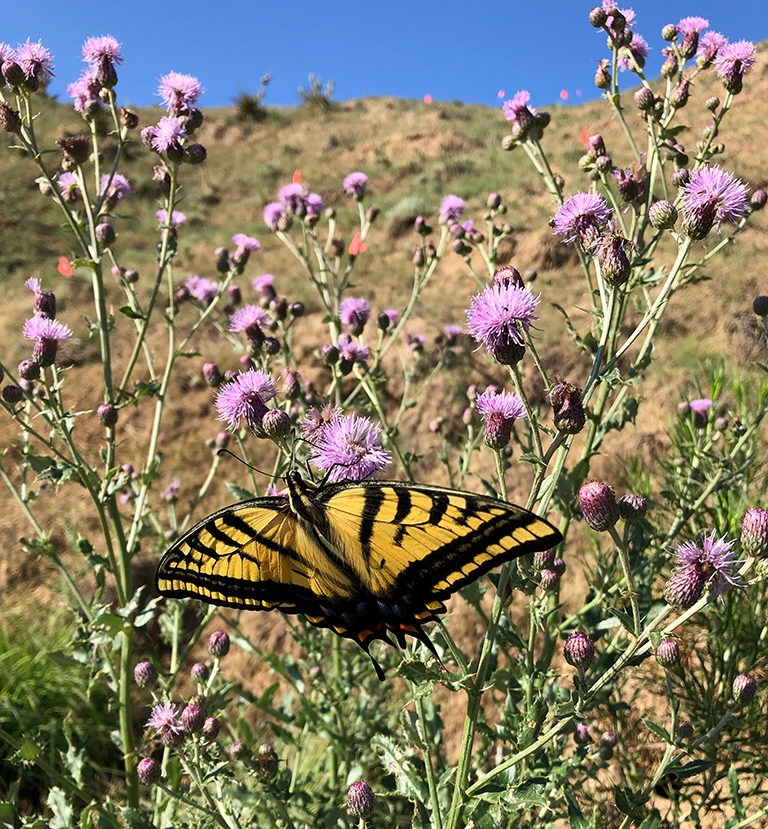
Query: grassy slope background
x=414, y=154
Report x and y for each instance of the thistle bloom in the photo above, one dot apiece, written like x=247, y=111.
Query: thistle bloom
x=245, y=397
x=499, y=410
x=264, y=284
x=171, y=492
x=179, y=92
x=35, y=60
x=245, y=243
x=294, y=198
x=177, y=217
x=202, y=289
x=351, y=351
x=732, y=61
x=355, y=184
x=85, y=91
x=252, y=319
x=451, y=208
x=712, y=196
x=348, y=448
x=710, y=45
x=497, y=318
x=273, y=213
x=354, y=312
x=581, y=218
x=116, y=187
x=98, y=49
x=167, y=134
x=517, y=110
x=636, y=52
x=68, y=186
x=47, y=334
x=314, y=204
x=165, y=720
x=711, y=561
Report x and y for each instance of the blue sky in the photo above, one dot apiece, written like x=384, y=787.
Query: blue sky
x=448, y=50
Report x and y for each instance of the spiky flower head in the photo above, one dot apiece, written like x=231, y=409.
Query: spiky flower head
x=579, y=651
x=710, y=43
x=754, y=533
x=115, y=188
x=47, y=334
x=211, y=728
x=252, y=319
x=179, y=92
x=517, y=111
x=294, y=197
x=581, y=734
x=245, y=397
x=667, y=653
x=711, y=196
x=354, y=312
x=451, y=209
x=700, y=408
x=549, y=579
x=202, y=289
x=348, y=448
x=192, y=718
x=360, y=799
x=632, y=507
x=355, y=184
x=145, y=674
x=744, y=687
x=177, y=217
x=732, y=61
x=662, y=214
x=582, y=218
x=711, y=561
x=499, y=410
x=273, y=213
x=165, y=720
x=543, y=559
x=107, y=414
x=614, y=254
x=634, y=54
x=499, y=316
x=35, y=61
x=199, y=672
x=218, y=644
x=148, y=770
x=598, y=505
x=44, y=303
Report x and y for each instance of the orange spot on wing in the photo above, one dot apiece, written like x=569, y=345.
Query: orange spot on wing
x=64, y=268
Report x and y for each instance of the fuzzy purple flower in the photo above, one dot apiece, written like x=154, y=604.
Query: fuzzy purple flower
x=392, y=316
x=35, y=60
x=351, y=351
x=245, y=397
x=415, y=342
x=315, y=421
x=451, y=208
x=116, y=187
x=635, y=53
x=47, y=334
x=499, y=411
x=732, y=61
x=581, y=218
x=712, y=196
x=354, y=185
x=85, y=91
x=68, y=186
x=171, y=492
x=710, y=43
x=354, y=312
x=165, y=720
x=714, y=559
x=294, y=197
x=273, y=213
x=246, y=242
x=264, y=284
x=452, y=334
x=202, y=289
x=252, y=319
x=348, y=448
x=497, y=318
x=690, y=28
x=98, y=49
x=168, y=134
x=177, y=217
x=518, y=112
x=179, y=92
x=314, y=204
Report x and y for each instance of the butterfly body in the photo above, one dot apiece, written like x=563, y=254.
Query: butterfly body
x=365, y=559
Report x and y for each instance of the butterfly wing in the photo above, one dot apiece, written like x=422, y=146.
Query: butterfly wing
x=414, y=545
x=254, y=555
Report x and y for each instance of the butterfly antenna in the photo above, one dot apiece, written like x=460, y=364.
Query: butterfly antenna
x=245, y=463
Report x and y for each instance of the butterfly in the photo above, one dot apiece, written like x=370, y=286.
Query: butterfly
x=366, y=559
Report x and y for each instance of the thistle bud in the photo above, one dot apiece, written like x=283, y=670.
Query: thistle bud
x=549, y=580
x=669, y=67
x=267, y=759
x=632, y=507
x=148, y=770
x=543, y=559
x=107, y=414
x=199, y=672
x=757, y=199
x=28, y=370
x=276, y=423
x=598, y=17
x=662, y=215
x=192, y=718
x=212, y=375
x=603, y=76
x=194, y=154
x=581, y=734
x=645, y=99
x=567, y=409
x=218, y=644
x=681, y=176
x=668, y=653
x=679, y=96
x=669, y=32
x=105, y=233
x=685, y=587
x=598, y=505
x=579, y=651
x=145, y=674
x=754, y=533
x=211, y=728
x=360, y=799
x=744, y=687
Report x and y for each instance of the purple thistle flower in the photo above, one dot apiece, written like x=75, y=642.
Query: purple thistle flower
x=85, y=91
x=354, y=312
x=499, y=410
x=415, y=342
x=264, y=285
x=177, y=217
x=251, y=319
x=294, y=197
x=732, y=61
x=348, y=448
x=710, y=44
x=498, y=315
x=354, y=185
x=452, y=334
x=351, y=351
x=712, y=195
x=315, y=421
x=179, y=92
x=168, y=133
x=517, y=110
x=98, y=49
x=117, y=187
x=165, y=720
x=636, y=52
x=714, y=559
x=202, y=289
x=245, y=397
x=451, y=208
x=392, y=315
x=579, y=651
x=47, y=334
x=68, y=186
x=273, y=213
x=692, y=25
x=35, y=60
x=582, y=217
x=246, y=242
x=314, y=204
x=171, y=492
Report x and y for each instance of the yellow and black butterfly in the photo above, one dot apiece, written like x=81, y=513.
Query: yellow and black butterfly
x=364, y=559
